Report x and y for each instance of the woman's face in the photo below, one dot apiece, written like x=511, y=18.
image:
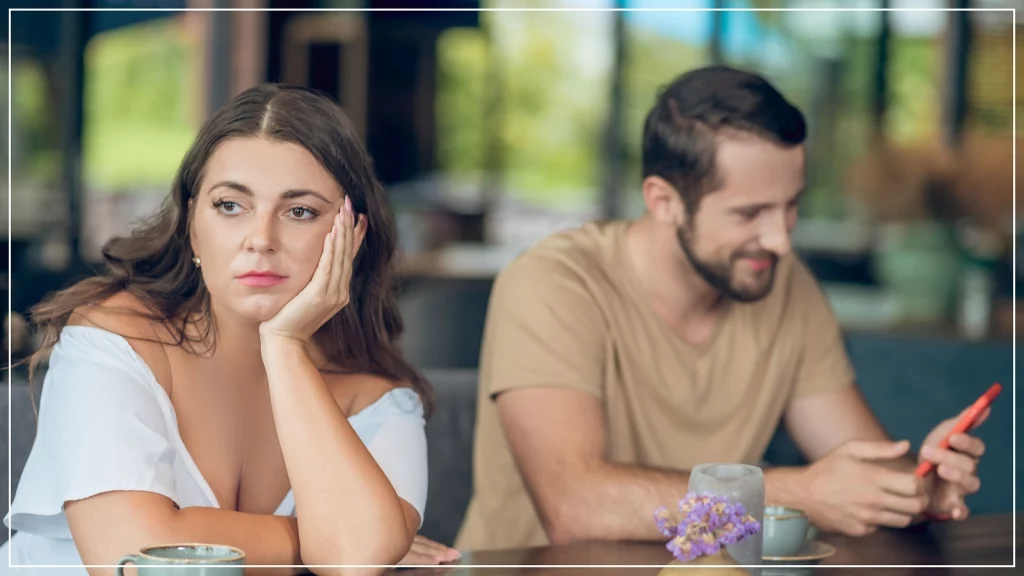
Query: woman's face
x=259, y=223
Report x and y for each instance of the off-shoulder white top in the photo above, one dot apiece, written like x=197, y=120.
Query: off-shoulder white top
x=106, y=424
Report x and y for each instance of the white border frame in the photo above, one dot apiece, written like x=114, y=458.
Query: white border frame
x=559, y=9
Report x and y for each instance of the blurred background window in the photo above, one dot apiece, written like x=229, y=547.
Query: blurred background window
x=491, y=130
x=140, y=102
x=142, y=108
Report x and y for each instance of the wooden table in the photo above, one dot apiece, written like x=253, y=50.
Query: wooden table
x=979, y=540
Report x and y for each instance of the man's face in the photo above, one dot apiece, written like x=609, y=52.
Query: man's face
x=739, y=232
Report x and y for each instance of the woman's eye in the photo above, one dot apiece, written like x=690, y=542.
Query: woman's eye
x=227, y=207
x=302, y=213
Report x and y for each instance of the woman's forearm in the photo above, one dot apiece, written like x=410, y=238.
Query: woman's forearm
x=267, y=540
x=109, y=525
x=348, y=512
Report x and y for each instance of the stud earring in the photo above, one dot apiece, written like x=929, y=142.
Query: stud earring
x=197, y=261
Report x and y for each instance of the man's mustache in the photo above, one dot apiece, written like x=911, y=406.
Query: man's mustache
x=756, y=255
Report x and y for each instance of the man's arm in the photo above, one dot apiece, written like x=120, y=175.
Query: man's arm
x=820, y=423
x=557, y=437
x=858, y=478
x=823, y=426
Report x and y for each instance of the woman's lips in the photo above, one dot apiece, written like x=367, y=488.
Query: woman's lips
x=261, y=280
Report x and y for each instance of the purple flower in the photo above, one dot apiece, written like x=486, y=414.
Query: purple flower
x=686, y=549
x=666, y=524
x=707, y=523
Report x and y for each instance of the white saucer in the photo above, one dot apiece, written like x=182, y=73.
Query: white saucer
x=813, y=551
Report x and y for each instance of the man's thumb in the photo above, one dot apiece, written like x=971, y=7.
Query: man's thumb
x=875, y=450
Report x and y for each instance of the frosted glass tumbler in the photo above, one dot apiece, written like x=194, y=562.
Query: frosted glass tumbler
x=740, y=483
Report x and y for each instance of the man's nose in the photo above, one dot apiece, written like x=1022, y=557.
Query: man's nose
x=775, y=236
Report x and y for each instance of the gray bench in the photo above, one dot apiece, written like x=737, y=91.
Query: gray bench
x=23, y=433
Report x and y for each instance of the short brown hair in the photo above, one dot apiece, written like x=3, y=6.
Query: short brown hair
x=681, y=130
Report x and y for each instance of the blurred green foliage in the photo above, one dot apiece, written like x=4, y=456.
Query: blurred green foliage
x=141, y=82
x=138, y=89
x=36, y=156
x=554, y=113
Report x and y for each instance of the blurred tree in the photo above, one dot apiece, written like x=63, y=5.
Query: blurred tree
x=138, y=86
x=915, y=77
x=554, y=101
x=652, y=61
x=35, y=155
x=768, y=19
x=461, y=67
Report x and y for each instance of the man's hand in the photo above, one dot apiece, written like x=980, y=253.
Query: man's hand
x=956, y=467
x=852, y=491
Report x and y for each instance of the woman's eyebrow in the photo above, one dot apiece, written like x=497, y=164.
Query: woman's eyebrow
x=291, y=194
x=286, y=195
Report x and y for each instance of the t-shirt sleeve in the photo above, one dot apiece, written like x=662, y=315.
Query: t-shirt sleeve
x=824, y=364
x=102, y=428
x=394, y=432
x=543, y=328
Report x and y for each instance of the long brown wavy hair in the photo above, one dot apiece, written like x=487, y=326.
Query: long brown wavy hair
x=154, y=264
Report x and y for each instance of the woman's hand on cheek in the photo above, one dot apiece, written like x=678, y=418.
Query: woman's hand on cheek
x=328, y=290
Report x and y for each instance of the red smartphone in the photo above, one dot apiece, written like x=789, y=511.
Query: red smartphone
x=965, y=423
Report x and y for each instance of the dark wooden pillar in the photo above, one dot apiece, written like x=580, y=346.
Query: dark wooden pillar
x=880, y=99
x=612, y=149
x=219, y=80
x=74, y=32
x=955, y=94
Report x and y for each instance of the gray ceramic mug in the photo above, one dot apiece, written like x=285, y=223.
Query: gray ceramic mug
x=186, y=560
x=785, y=530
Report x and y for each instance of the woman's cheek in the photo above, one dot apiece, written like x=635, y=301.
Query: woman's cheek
x=305, y=254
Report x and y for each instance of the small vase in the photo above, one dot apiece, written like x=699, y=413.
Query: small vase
x=711, y=565
x=740, y=483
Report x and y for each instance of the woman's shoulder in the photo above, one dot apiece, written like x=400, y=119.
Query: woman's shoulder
x=125, y=315
x=358, y=394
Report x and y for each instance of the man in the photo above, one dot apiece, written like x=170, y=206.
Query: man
x=618, y=356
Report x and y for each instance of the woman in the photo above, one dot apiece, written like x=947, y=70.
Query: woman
x=233, y=376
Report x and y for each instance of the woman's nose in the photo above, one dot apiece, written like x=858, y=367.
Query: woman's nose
x=261, y=237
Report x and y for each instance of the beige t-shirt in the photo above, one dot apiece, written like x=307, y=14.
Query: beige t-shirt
x=571, y=312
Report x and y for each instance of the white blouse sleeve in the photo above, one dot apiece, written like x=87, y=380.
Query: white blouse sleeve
x=103, y=427
x=393, y=430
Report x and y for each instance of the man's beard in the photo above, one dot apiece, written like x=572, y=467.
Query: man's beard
x=719, y=275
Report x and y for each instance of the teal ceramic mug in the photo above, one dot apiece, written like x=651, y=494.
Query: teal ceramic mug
x=186, y=560
x=785, y=530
